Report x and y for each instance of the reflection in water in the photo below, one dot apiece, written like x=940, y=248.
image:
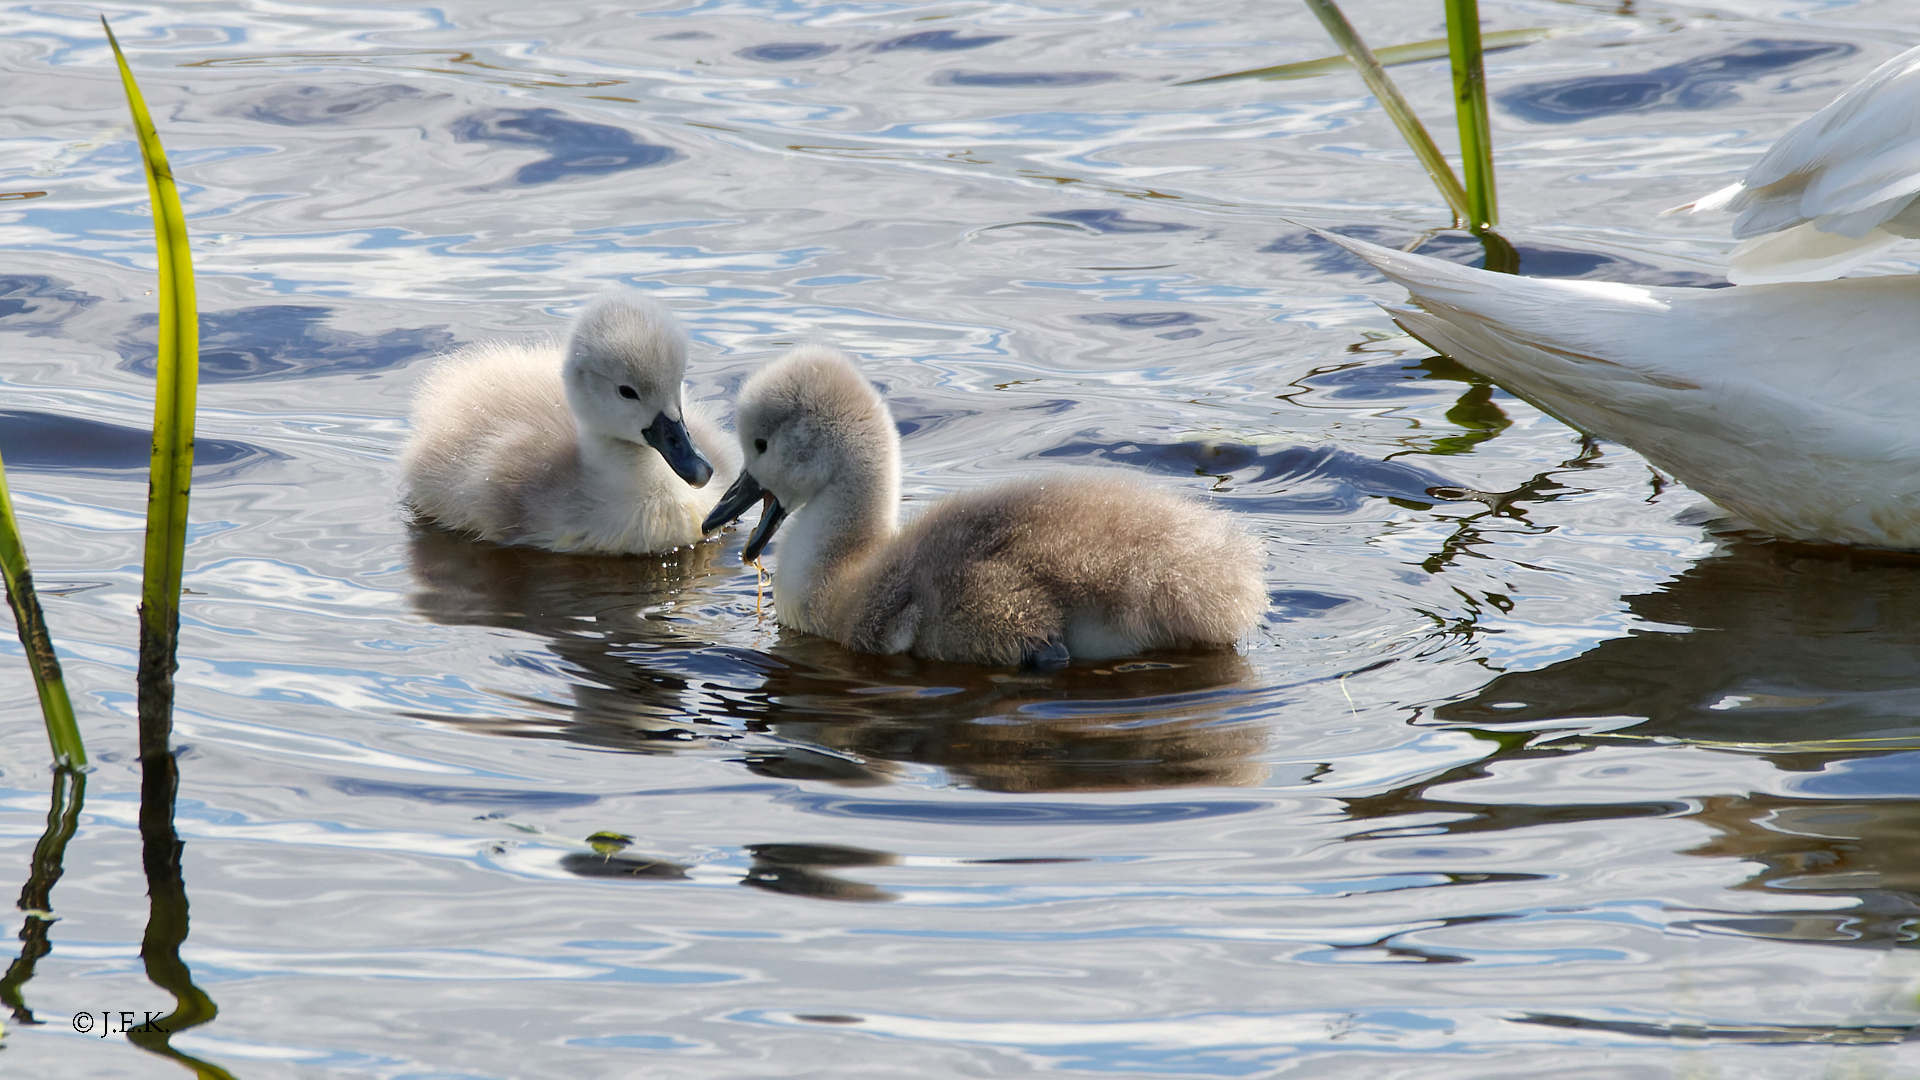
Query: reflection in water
x=802, y=870
x=1167, y=720
x=36, y=897
x=610, y=859
x=645, y=684
x=606, y=616
x=1771, y=644
x=1810, y=658
x=167, y=922
x=1862, y=851
x=49, y=442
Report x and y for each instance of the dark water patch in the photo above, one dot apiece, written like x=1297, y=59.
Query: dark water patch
x=49, y=442
x=622, y=866
x=36, y=305
x=820, y=855
x=1053, y=407
x=1536, y=259
x=462, y=796
x=304, y=106
x=575, y=147
x=799, y=870
x=799, y=763
x=1745, y=1034
x=786, y=51
x=1004, y=79
x=1314, y=479
x=939, y=41
x=909, y=419
x=1701, y=83
x=1143, y=320
x=1113, y=221
x=1018, y=813
x=1302, y=604
x=283, y=341
x=1407, y=380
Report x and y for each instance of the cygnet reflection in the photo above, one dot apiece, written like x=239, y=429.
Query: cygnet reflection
x=814, y=711
x=1165, y=720
x=605, y=616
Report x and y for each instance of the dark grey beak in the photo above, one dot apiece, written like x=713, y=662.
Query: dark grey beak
x=744, y=493
x=670, y=437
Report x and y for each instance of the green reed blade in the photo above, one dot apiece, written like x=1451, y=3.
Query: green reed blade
x=171, y=474
x=1396, y=106
x=1470, y=106
x=1410, y=53
x=55, y=707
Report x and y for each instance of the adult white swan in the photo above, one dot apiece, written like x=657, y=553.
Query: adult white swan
x=1837, y=190
x=1795, y=406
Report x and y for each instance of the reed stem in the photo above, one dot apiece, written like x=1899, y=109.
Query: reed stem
x=171, y=475
x=1470, y=107
x=55, y=707
x=1396, y=107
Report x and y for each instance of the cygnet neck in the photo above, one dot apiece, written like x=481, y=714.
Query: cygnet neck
x=612, y=456
x=831, y=540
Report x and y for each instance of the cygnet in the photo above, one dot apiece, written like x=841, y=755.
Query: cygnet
x=585, y=448
x=1084, y=565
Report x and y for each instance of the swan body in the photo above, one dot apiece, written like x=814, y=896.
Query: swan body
x=1837, y=190
x=583, y=448
x=1079, y=565
x=1795, y=406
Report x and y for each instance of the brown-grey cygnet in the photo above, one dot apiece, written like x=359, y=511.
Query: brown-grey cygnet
x=1078, y=565
x=585, y=448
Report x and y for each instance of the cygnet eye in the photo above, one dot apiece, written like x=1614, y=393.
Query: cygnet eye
x=630, y=393
x=760, y=446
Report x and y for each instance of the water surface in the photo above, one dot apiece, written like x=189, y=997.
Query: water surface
x=1524, y=774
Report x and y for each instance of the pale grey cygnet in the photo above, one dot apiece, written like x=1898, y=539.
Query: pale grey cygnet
x=587, y=448
x=1087, y=565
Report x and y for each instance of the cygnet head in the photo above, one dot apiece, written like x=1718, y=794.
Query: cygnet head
x=625, y=363
x=810, y=423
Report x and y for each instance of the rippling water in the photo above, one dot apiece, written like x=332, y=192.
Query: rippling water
x=1542, y=781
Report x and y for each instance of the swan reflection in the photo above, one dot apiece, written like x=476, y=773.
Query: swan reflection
x=1809, y=658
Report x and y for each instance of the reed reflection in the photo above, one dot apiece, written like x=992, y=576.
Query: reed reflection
x=36, y=896
x=167, y=919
